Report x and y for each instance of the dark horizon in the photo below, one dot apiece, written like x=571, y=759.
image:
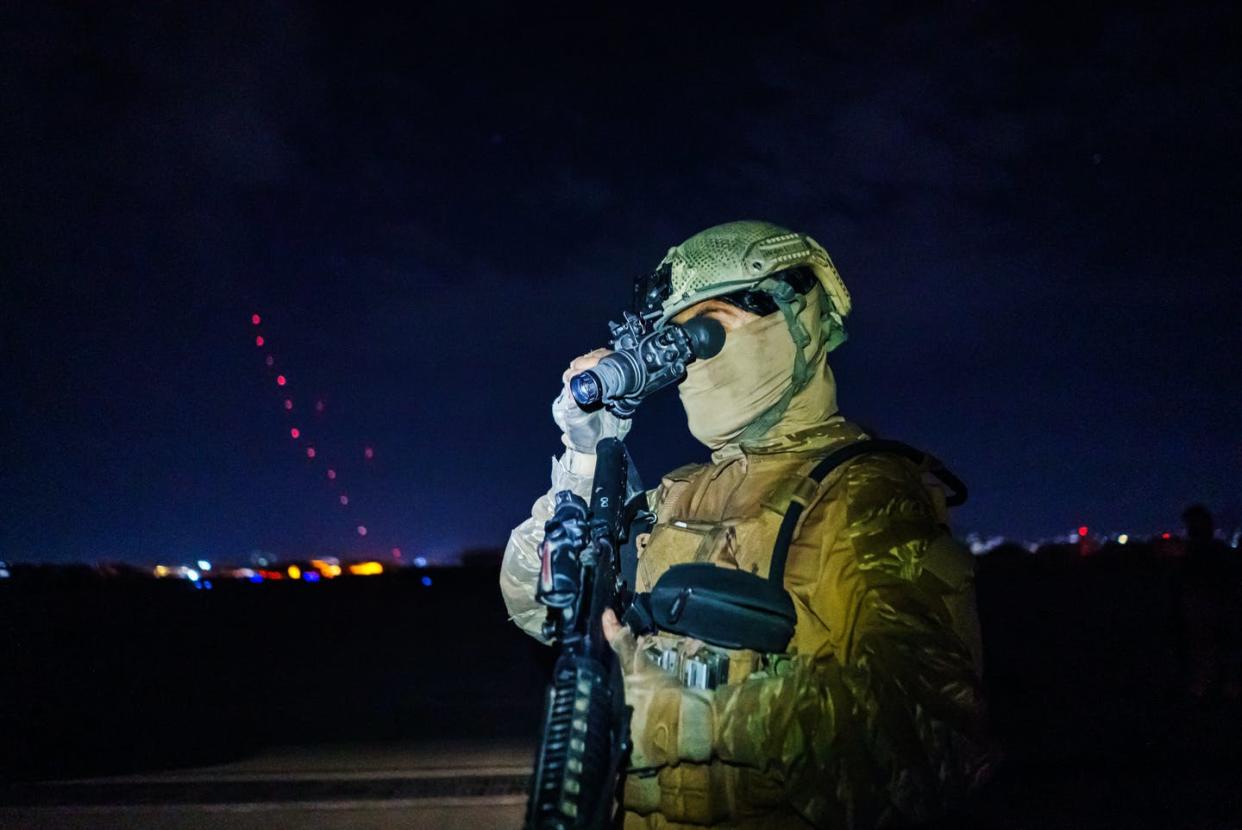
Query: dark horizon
x=434, y=210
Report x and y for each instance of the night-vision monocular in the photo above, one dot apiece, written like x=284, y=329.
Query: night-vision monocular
x=644, y=361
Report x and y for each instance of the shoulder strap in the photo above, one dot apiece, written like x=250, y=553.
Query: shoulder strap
x=806, y=490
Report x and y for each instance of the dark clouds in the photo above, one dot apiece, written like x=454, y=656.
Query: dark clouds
x=1033, y=205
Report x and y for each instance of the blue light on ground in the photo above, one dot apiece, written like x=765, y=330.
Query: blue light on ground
x=426, y=580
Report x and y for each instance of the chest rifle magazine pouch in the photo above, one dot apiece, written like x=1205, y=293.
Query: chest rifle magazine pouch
x=723, y=607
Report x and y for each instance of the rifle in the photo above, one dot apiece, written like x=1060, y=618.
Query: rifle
x=586, y=724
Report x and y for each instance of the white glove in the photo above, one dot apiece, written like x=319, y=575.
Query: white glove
x=582, y=430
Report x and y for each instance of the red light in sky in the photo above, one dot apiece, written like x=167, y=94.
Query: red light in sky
x=396, y=553
x=331, y=474
x=280, y=380
x=319, y=406
x=270, y=360
x=255, y=319
x=362, y=530
x=1165, y=535
x=310, y=452
x=344, y=499
x=368, y=452
x=258, y=341
x=288, y=404
x=1082, y=531
x=295, y=433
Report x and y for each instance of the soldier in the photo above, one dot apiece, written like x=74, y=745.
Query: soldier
x=873, y=715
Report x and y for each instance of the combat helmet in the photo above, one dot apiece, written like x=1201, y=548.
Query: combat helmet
x=734, y=257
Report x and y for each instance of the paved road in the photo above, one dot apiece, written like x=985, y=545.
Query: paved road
x=473, y=786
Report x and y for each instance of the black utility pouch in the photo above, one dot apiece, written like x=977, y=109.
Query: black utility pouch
x=723, y=607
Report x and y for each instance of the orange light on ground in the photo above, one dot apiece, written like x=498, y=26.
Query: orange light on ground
x=366, y=568
x=294, y=572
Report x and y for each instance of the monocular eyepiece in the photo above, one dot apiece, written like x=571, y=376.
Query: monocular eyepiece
x=707, y=336
x=586, y=389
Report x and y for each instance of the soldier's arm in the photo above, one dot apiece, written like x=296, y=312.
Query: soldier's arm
x=519, y=572
x=886, y=717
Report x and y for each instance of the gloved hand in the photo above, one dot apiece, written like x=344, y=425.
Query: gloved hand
x=669, y=723
x=581, y=430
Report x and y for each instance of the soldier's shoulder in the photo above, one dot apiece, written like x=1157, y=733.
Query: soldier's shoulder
x=883, y=484
x=684, y=473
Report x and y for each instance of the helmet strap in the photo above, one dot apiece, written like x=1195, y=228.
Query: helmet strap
x=791, y=305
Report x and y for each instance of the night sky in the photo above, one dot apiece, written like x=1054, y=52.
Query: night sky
x=1035, y=207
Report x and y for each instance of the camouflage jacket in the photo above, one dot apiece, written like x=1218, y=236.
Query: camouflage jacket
x=874, y=715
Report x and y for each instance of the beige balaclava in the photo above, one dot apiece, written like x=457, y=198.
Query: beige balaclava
x=756, y=388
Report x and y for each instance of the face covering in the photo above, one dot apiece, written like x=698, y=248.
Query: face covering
x=726, y=394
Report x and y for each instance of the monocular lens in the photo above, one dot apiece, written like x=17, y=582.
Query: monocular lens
x=586, y=388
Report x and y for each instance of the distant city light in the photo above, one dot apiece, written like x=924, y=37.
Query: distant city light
x=327, y=568
x=1122, y=539
x=311, y=576
x=366, y=568
x=420, y=561
x=426, y=580
x=1073, y=537
x=256, y=577
x=191, y=574
x=207, y=584
x=368, y=453
x=294, y=572
x=362, y=530
x=258, y=340
x=255, y=319
x=295, y=433
x=204, y=565
x=281, y=380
